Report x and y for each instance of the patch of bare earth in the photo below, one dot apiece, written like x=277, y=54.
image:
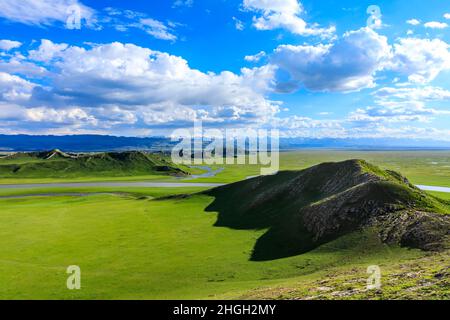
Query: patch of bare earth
x=426, y=278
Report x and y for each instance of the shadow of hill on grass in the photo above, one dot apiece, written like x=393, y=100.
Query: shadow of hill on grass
x=302, y=210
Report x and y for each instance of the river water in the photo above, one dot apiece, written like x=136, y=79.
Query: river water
x=209, y=173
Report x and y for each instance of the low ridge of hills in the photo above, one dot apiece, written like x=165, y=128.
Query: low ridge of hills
x=302, y=210
x=56, y=164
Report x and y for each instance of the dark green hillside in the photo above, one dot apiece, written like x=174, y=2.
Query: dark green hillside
x=304, y=209
x=57, y=164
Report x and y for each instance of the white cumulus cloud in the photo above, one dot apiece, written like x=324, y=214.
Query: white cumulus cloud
x=47, y=51
x=420, y=59
x=183, y=3
x=436, y=25
x=14, y=89
x=283, y=14
x=238, y=24
x=9, y=44
x=413, y=22
x=158, y=29
x=43, y=12
x=256, y=57
x=395, y=113
x=427, y=93
x=116, y=84
x=329, y=67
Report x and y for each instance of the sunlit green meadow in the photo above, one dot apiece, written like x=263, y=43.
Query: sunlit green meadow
x=130, y=244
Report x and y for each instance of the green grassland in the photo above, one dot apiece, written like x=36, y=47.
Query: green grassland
x=132, y=244
x=421, y=167
x=130, y=247
x=441, y=195
x=92, y=178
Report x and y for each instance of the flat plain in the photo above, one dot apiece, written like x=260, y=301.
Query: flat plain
x=152, y=243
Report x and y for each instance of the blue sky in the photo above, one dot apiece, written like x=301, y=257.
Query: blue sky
x=309, y=68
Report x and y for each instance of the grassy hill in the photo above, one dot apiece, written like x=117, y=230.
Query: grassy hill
x=305, y=209
x=57, y=164
x=329, y=223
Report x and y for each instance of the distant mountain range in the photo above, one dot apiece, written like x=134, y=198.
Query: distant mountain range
x=82, y=143
x=92, y=143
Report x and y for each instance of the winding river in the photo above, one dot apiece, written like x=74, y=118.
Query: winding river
x=209, y=173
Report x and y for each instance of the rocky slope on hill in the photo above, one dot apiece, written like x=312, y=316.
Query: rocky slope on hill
x=304, y=209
